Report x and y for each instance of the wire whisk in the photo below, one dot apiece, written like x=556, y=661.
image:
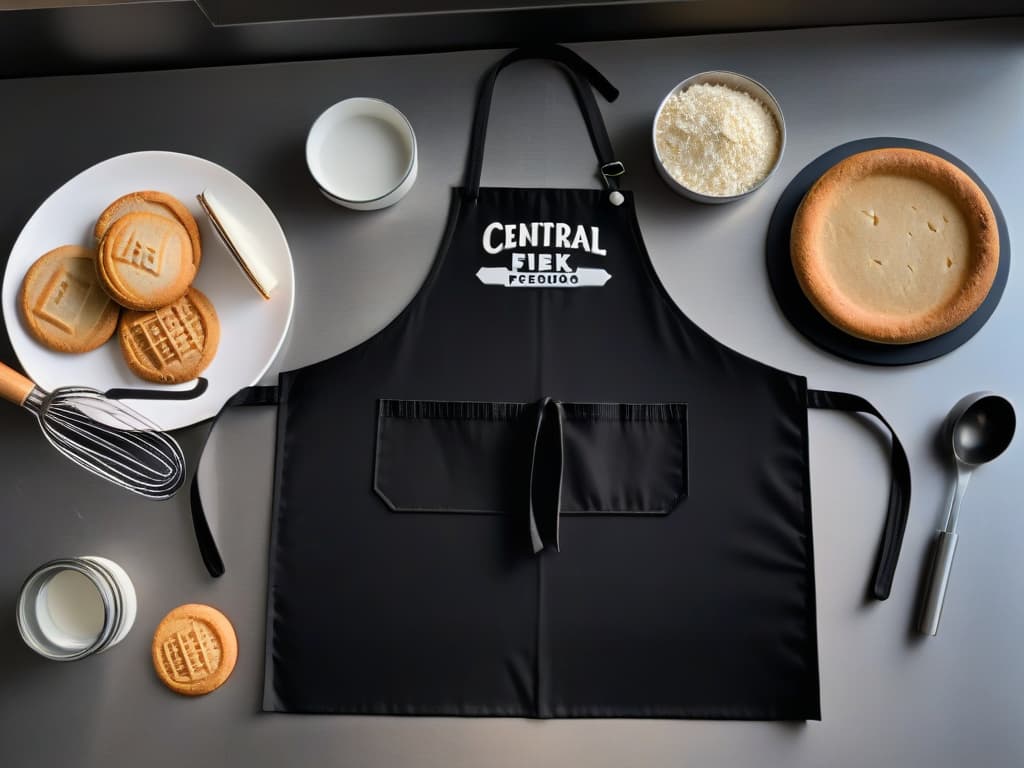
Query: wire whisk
x=102, y=435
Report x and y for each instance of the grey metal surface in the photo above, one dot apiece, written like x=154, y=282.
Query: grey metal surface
x=889, y=696
x=161, y=34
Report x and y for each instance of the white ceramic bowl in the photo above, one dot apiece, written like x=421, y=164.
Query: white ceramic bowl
x=738, y=83
x=362, y=154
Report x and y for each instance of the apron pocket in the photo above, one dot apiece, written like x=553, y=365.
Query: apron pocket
x=435, y=456
x=624, y=459
x=477, y=457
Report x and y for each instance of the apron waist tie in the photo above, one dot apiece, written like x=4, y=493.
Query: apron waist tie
x=899, y=487
x=545, y=503
x=204, y=536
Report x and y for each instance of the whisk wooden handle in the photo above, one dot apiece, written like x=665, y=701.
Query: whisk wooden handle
x=14, y=386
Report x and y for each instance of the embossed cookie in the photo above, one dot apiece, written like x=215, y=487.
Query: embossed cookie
x=145, y=261
x=151, y=201
x=194, y=649
x=63, y=304
x=171, y=344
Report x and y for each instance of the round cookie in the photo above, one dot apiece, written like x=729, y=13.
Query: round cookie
x=171, y=344
x=151, y=201
x=895, y=245
x=145, y=261
x=194, y=649
x=63, y=304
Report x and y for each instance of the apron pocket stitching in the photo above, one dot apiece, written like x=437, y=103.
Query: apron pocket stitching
x=438, y=456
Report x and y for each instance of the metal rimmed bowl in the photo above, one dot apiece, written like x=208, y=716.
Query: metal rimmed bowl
x=44, y=630
x=362, y=154
x=736, y=82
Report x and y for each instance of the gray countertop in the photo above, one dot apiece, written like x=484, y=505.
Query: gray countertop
x=888, y=697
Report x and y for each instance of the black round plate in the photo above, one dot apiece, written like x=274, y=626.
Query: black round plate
x=806, y=319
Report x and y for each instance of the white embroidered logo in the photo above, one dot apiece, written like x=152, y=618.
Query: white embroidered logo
x=534, y=268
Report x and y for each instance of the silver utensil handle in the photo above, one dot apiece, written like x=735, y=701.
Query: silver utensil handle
x=942, y=565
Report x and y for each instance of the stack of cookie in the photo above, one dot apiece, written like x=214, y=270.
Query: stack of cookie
x=147, y=255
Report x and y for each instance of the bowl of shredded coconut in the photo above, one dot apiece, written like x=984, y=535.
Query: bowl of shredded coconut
x=718, y=136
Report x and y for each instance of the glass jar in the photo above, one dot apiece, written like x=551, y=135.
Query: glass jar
x=74, y=607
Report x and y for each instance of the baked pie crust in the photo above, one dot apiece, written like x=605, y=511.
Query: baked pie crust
x=895, y=245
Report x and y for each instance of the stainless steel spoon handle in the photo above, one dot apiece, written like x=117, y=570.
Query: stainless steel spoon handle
x=942, y=566
x=963, y=477
x=942, y=559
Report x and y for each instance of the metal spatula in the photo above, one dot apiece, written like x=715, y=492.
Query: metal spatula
x=102, y=435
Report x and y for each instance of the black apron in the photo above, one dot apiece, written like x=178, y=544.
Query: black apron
x=542, y=491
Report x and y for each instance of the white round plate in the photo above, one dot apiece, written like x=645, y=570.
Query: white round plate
x=252, y=328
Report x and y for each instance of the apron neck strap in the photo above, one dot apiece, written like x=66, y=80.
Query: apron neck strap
x=582, y=75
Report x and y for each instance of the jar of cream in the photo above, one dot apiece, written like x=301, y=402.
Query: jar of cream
x=74, y=607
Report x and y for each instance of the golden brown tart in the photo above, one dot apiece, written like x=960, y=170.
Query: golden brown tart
x=895, y=245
